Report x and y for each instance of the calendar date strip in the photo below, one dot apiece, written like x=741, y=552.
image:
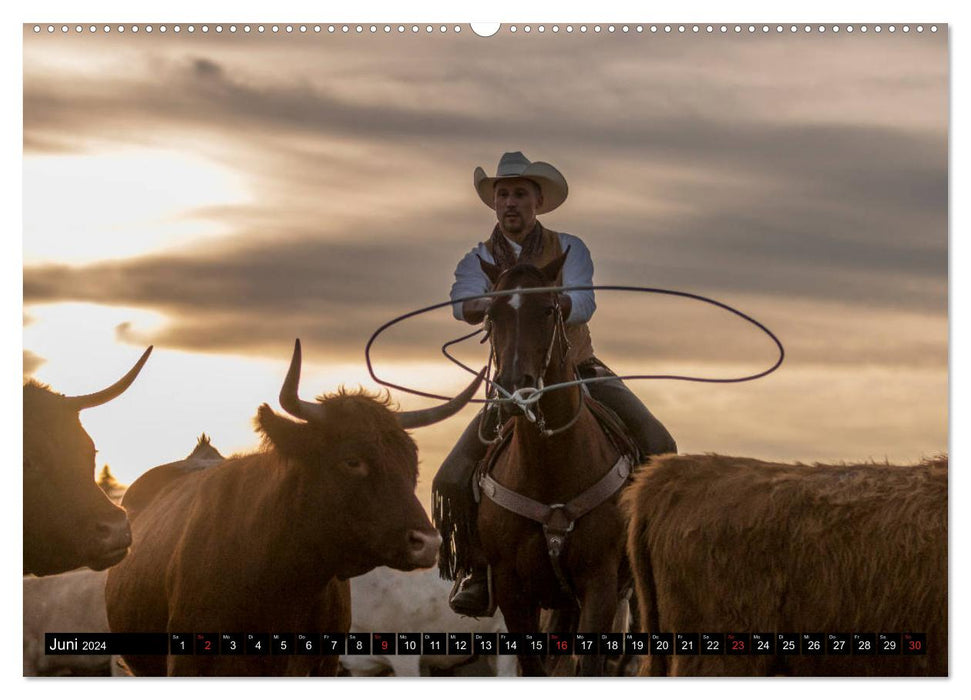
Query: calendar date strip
x=500, y=643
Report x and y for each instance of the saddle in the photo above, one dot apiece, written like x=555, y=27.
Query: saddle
x=615, y=429
x=609, y=421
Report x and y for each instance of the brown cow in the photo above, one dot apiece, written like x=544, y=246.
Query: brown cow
x=723, y=544
x=147, y=486
x=68, y=521
x=265, y=542
x=75, y=601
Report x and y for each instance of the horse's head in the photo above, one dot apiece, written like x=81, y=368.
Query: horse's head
x=524, y=327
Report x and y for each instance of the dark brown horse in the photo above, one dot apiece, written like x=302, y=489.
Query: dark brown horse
x=558, y=455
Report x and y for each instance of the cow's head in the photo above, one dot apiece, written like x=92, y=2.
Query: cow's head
x=352, y=456
x=68, y=520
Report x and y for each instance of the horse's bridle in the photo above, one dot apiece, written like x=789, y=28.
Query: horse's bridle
x=521, y=397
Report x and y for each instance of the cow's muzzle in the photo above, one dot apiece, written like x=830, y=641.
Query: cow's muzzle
x=112, y=538
x=423, y=548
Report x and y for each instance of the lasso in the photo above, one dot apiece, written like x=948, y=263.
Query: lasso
x=526, y=396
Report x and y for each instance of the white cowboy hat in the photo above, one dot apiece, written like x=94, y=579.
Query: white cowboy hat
x=551, y=183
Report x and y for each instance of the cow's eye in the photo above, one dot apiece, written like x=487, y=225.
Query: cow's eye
x=354, y=466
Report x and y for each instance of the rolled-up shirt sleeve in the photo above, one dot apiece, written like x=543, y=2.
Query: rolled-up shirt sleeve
x=578, y=272
x=469, y=278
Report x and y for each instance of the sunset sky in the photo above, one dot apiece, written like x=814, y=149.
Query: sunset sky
x=219, y=195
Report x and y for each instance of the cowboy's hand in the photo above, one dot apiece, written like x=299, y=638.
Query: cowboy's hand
x=566, y=304
x=474, y=310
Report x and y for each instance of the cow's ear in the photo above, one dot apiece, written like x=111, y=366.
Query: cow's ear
x=279, y=432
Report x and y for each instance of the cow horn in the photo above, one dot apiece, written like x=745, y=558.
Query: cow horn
x=289, y=395
x=106, y=395
x=427, y=416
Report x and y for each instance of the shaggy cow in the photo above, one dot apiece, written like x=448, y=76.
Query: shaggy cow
x=68, y=521
x=386, y=600
x=721, y=544
x=265, y=542
x=140, y=493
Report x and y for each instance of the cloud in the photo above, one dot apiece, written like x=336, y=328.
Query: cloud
x=256, y=299
x=772, y=171
x=31, y=363
x=802, y=179
x=665, y=335
x=785, y=169
x=450, y=90
x=206, y=69
x=794, y=164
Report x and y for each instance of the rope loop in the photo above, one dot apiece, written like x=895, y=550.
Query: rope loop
x=526, y=400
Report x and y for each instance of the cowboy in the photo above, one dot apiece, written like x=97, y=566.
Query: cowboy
x=520, y=191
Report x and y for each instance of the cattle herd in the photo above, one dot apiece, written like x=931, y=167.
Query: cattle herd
x=320, y=531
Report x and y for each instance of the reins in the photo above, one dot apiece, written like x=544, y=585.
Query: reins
x=526, y=398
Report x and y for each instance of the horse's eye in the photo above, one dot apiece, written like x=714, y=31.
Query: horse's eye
x=549, y=310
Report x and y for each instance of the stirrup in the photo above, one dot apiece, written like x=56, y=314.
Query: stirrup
x=490, y=608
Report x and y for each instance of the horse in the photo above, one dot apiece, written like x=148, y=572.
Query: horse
x=548, y=522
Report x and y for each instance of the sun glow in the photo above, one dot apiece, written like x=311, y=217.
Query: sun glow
x=84, y=208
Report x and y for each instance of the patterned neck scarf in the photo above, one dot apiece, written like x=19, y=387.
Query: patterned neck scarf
x=505, y=256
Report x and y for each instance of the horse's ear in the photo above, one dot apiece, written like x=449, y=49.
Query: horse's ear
x=552, y=270
x=492, y=271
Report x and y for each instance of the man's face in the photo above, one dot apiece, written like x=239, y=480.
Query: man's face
x=516, y=201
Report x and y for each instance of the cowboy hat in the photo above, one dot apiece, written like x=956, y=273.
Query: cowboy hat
x=512, y=165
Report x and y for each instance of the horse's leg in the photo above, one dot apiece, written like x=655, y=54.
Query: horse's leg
x=598, y=605
x=521, y=616
x=563, y=620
